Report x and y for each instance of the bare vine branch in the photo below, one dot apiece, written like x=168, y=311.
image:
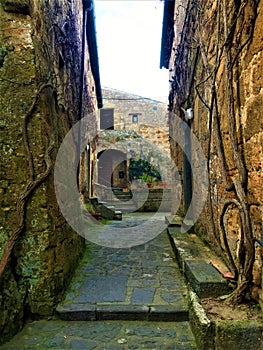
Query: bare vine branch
x=31, y=185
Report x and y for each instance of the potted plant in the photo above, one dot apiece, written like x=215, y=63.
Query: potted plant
x=148, y=179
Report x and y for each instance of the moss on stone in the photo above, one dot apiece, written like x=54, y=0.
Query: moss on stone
x=238, y=335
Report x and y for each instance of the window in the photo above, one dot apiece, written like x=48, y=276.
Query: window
x=135, y=117
x=107, y=118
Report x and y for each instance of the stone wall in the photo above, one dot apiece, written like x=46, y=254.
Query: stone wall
x=40, y=89
x=133, y=145
x=219, y=75
x=152, y=122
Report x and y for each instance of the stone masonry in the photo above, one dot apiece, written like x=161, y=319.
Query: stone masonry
x=198, y=56
x=152, y=123
x=40, y=88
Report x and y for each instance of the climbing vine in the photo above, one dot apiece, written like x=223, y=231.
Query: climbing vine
x=33, y=183
x=229, y=29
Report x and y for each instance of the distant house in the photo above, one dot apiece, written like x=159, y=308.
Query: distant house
x=131, y=127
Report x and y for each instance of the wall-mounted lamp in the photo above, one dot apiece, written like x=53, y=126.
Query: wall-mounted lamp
x=189, y=114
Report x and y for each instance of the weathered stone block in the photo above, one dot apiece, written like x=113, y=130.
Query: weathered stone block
x=169, y=313
x=239, y=335
x=205, y=280
x=200, y=324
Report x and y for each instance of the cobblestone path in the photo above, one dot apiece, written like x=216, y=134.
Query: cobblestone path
x=118, y=299
x=102, y=335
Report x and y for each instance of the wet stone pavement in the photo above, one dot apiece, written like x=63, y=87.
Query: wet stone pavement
x=102, y=335
x=119, y=299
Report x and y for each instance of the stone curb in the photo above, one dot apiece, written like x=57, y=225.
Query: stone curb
x=193, y=258
x=221, y=335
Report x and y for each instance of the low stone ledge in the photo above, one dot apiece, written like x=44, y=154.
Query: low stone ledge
x=205, y=279
x=194, y=259
x=223, y=334
x=238, y=335
x=201, y=326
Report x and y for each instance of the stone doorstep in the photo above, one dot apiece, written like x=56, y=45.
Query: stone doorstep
x=194, y=259
x=99, y=312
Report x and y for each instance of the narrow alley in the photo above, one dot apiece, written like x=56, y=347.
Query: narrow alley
x=132, y=298
x=131, y=214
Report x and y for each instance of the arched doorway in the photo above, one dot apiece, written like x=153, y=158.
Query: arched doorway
x=112, y=169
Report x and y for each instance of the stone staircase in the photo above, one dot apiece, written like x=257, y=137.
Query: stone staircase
x=121, y=201
x=112, y=203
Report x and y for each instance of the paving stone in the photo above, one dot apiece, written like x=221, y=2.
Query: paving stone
x=103, y=289
x=137, y=275
x=118, y=294
x=149, y=283
x=142, y=295
x=79, y=344
x=90, y=270
x=57, y=341
x=104, y=335
x=172, y=297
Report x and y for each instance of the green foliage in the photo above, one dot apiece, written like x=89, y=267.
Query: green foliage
x=147, y=179
x=140, y=168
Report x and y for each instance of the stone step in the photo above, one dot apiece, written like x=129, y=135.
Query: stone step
x=123, y=196
x=124, y=207
x=129, y=312
x=194, y=258
x=138, y=283
x=117, y=215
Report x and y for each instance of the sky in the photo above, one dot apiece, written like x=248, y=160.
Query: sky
x=129, y=43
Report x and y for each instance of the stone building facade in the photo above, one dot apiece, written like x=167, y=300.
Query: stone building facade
x=214, y=51
x=48, y=73
x=133, y=127
x=147, y=117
